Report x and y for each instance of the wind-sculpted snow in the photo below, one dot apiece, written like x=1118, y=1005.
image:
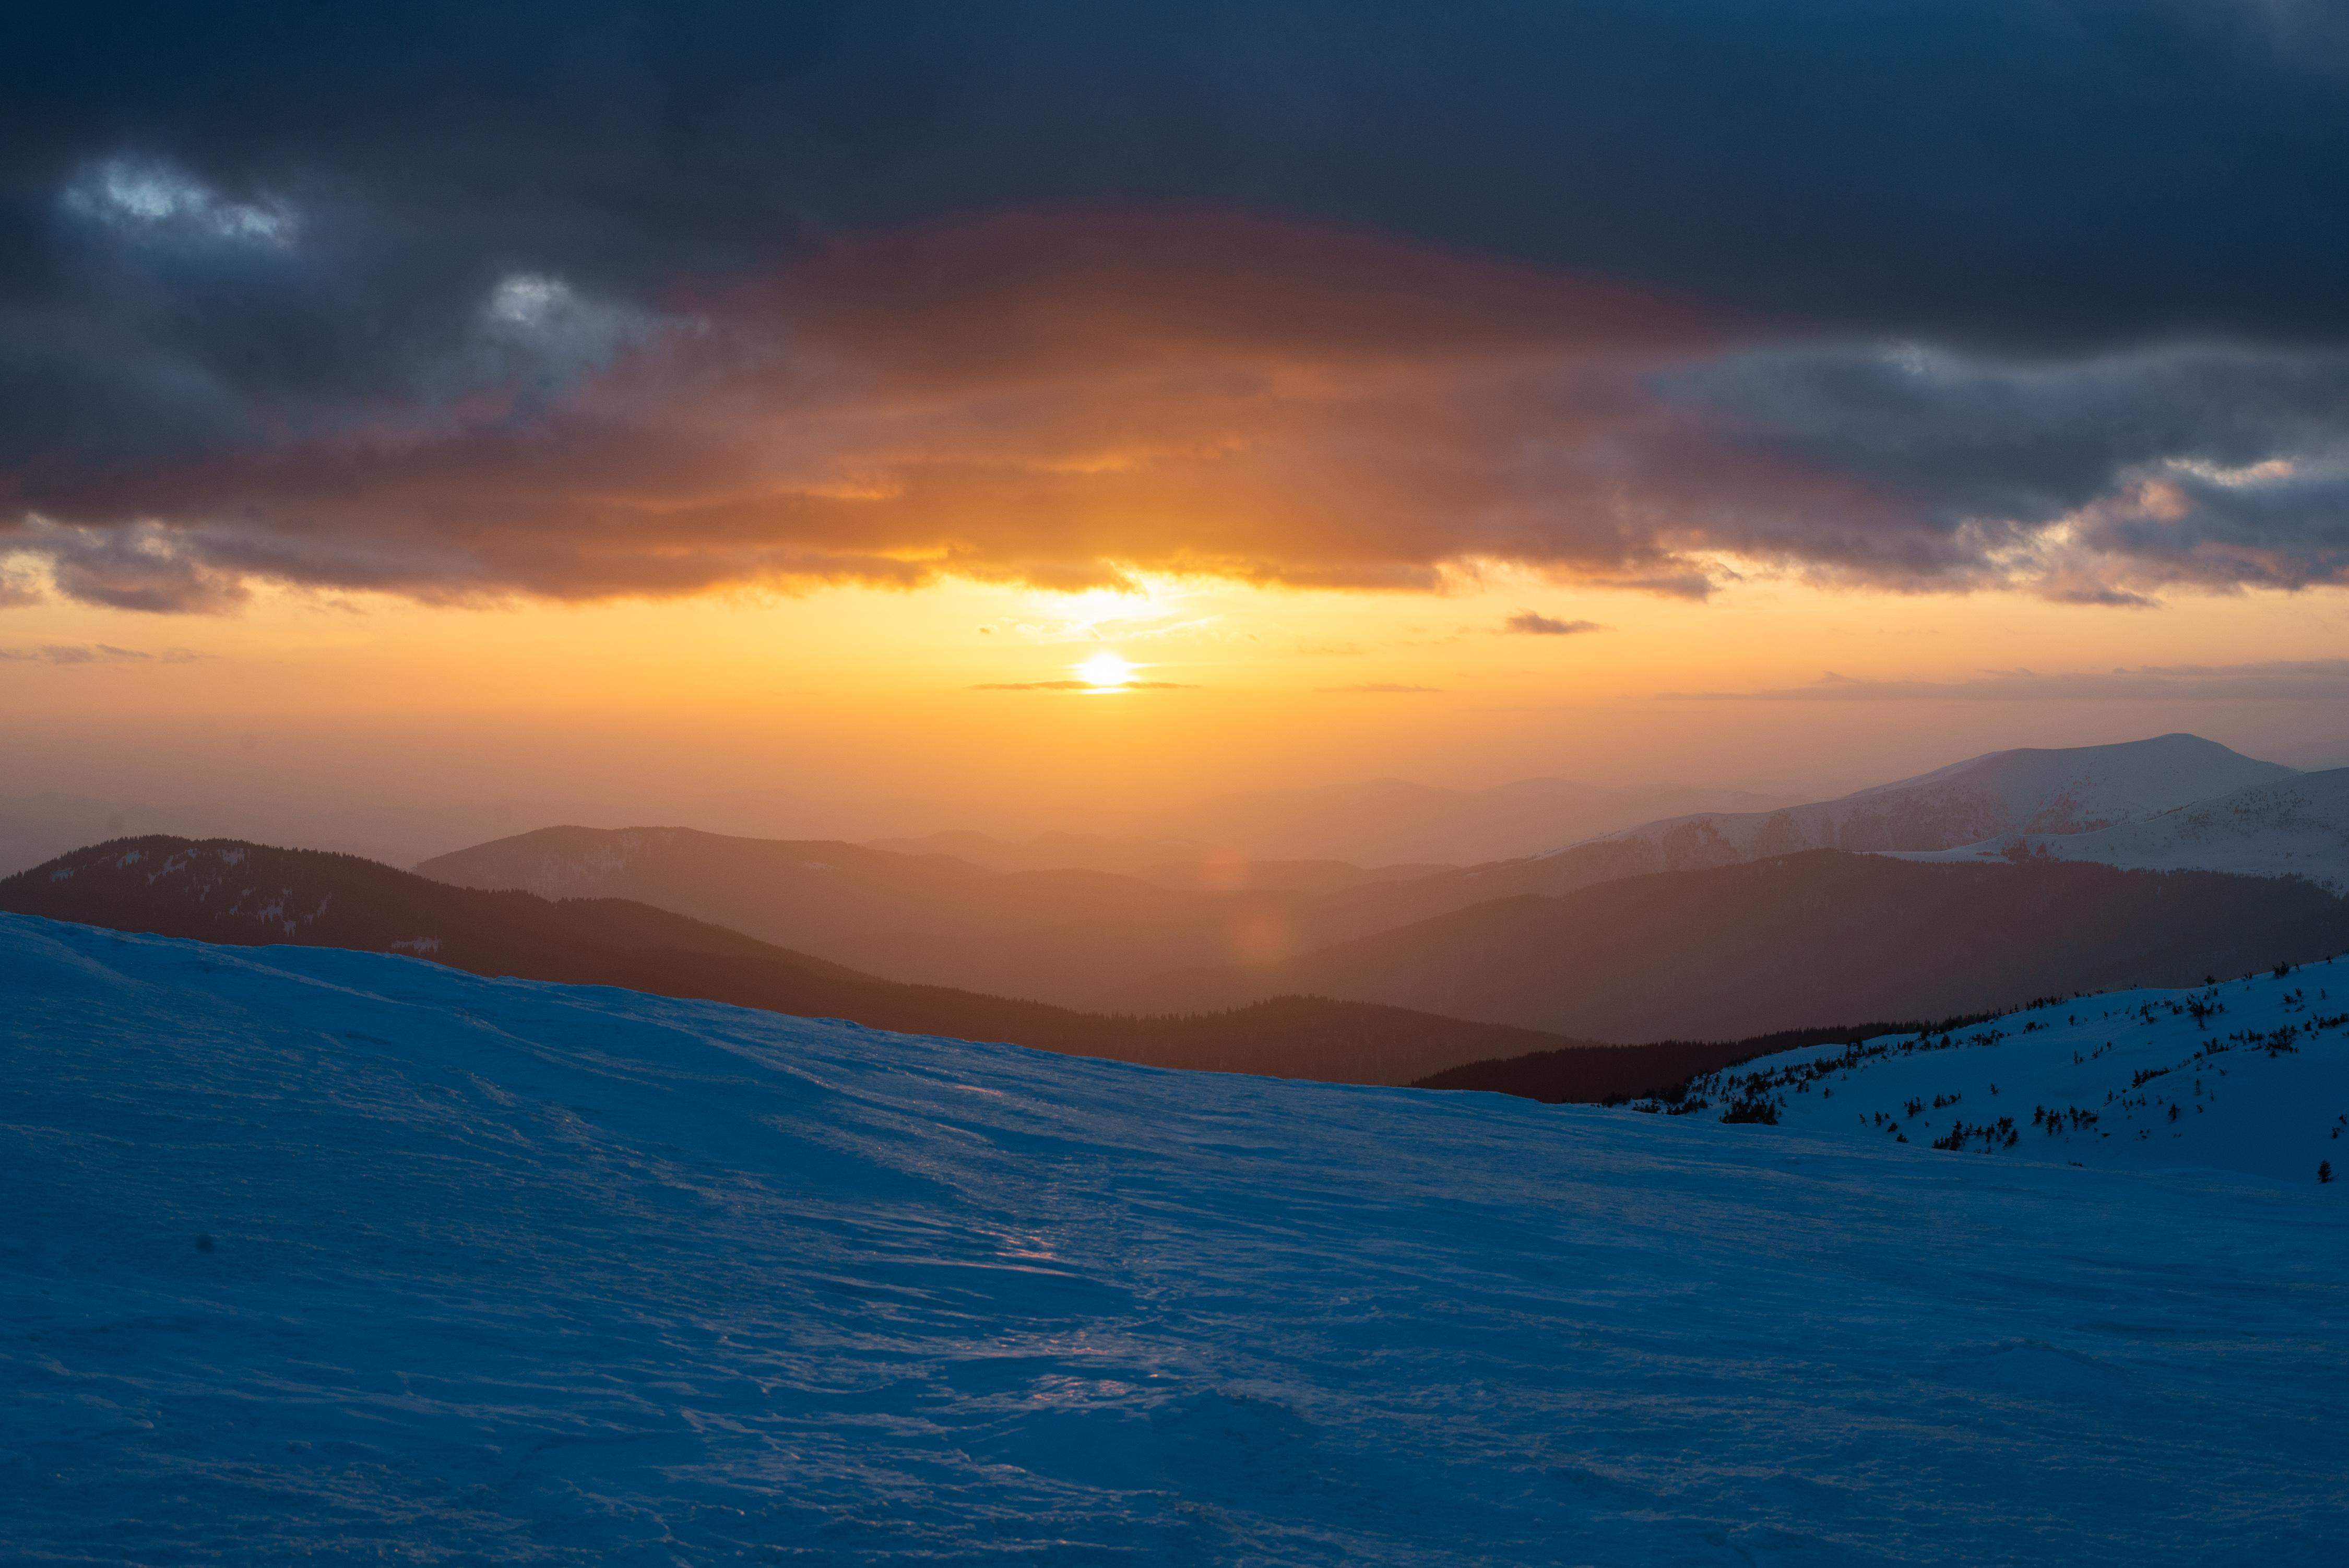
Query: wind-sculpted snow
x=2248, y=1075
x=337, y=1257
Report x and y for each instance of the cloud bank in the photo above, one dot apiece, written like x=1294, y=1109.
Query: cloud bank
x=583, y=300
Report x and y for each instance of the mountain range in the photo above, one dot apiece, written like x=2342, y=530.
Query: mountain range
x=2062, y=791
x=1190, y=962
x=240, y=893
x=1062, y=936
x=1180, y=938
x=1375, y=823
x=1781, y=944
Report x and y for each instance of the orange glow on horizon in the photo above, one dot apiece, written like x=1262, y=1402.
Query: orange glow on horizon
x=959, y=690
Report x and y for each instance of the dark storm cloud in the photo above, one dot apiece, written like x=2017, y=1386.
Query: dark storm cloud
x=1971, y=167
x=459, y=301
x=2210, y=466
x=1053, y=399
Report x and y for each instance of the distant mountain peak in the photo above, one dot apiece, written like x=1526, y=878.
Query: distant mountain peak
x=2022, y=790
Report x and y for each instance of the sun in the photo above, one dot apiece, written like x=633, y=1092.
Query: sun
x=1105, y=672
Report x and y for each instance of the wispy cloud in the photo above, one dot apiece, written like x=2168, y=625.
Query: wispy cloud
x=2313, y=680
x=1083, y=685
x=149, y=197
x=95, y=654
x=1381, y=688
x=1538, y=626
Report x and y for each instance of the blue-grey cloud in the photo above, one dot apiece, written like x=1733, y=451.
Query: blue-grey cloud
x=2143, y=165
x=253, y=258
x=2093, y=477
x=141, y=567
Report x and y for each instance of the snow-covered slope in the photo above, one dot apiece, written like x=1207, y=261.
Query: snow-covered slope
x=337, y=1257
x=2293, y=827
x=2249, y=1076
x=2072, y=789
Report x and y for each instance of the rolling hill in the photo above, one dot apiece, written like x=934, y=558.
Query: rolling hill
x=1177, y=940
x=1616, y=1075
x=1781, y=944
x=226, y=891
x=2067, y=790
x=1060, y=936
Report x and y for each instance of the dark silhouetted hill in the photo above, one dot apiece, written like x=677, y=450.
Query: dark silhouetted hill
x=228, y=891
x=1589, y=1075
x=1096, y=939
x=1746, y=949
x=1064, y=936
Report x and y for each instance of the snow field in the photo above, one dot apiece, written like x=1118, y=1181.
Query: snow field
x=508, y=1273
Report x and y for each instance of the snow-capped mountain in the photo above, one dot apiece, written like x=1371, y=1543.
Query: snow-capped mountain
x=2290, y=827
x=2067, y=790
x=321, y=1255
x=2248, y=1074
x=2071, y=789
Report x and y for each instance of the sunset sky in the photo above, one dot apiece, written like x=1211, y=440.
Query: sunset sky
x=1391, y=389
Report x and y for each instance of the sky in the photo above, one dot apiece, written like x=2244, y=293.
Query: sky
x=641, y=403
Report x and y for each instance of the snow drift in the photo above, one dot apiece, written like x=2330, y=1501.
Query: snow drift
x=329, y=1256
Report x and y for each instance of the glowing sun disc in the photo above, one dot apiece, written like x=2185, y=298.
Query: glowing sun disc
x=1105, y=672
